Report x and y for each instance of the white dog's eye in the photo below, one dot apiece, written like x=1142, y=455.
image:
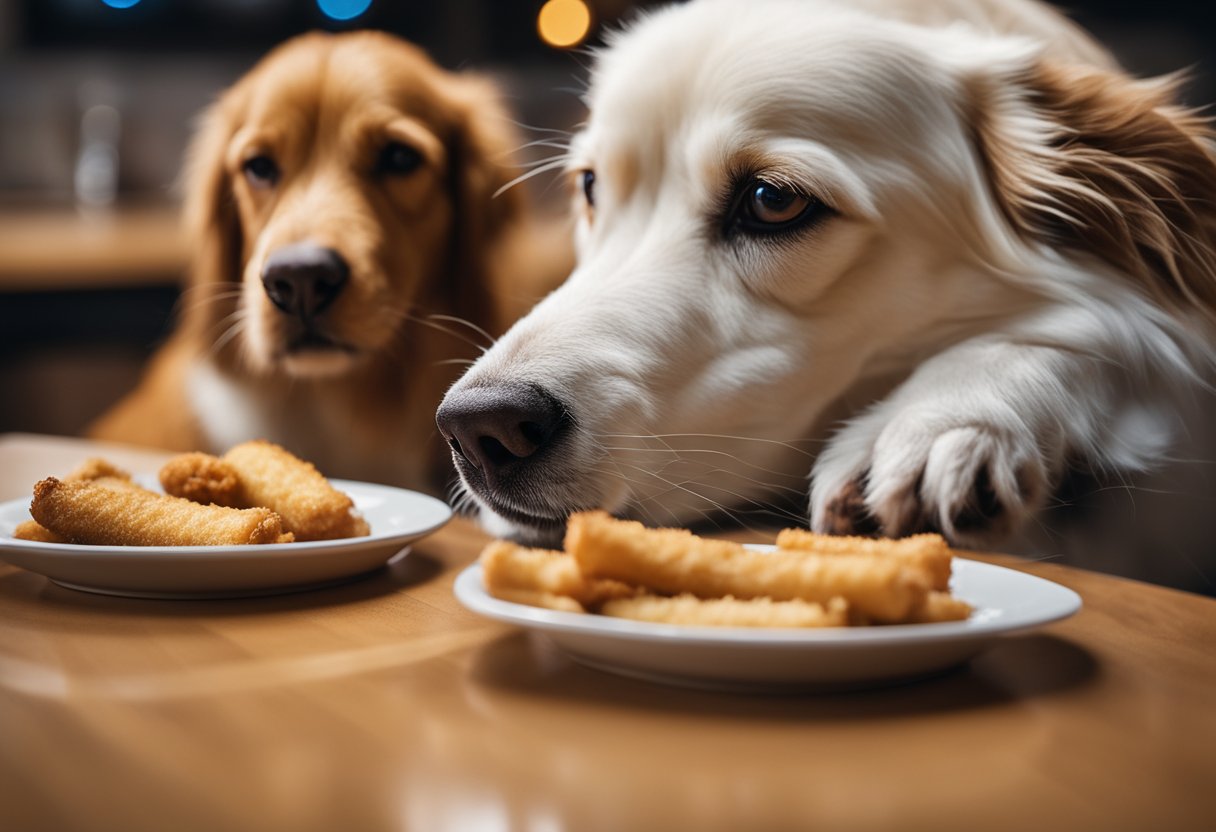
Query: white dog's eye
x=767, y=204
x=589, y=186
x=763, y=208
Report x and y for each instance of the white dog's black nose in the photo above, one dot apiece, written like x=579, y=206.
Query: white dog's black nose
x=496, y=428
x=304, y=278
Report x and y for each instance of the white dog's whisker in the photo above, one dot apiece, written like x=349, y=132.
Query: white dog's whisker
x=457, y=335
x=717, y=506
x=789, y=444
x=550, y=143
x=552, y=164
x=681, y=455
x=490, y=339
x=537, y=129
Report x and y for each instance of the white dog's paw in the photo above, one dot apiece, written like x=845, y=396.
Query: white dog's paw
x=974, y=482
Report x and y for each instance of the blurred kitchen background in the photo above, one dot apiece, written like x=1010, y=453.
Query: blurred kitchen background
x=97, y=99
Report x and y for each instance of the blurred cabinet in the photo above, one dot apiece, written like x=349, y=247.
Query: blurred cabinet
x=84, y=300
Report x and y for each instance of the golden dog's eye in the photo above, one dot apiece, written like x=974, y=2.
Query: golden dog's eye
x=261, y=171
x=588, y=179
x=397, y=159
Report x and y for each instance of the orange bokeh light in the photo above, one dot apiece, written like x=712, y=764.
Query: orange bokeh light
x=564, y=23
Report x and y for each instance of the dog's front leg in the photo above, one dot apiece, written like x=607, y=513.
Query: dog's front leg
x=969, y=445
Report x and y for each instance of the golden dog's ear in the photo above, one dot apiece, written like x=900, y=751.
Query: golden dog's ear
x=1093, y=160
x=210, y=217
x=480, y=152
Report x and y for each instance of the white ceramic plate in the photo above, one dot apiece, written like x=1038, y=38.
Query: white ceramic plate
x=1005, y=601
x=397, y=517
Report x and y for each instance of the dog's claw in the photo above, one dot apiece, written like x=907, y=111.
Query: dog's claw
x=974, y=484
x=982, y=508
x=847, y=513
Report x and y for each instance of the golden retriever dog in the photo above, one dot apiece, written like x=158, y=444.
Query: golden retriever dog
x=350, y=253
x=934, y=256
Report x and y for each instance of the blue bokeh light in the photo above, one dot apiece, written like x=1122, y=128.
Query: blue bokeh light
x=120, y=4
x=341, y=9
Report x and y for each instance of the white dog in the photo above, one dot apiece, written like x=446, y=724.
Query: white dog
x=936, y=254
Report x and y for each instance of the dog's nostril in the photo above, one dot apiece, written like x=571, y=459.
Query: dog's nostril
x=282, y=292
x=494, y=451
x=534, y=433
x=495, y=428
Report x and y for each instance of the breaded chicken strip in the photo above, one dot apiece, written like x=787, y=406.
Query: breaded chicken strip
x=260, y=473
x=33, y=530
x=95, y=470
x=510, y=572
x=929, y=551
x=729, y=612
x=84, y=512
x=676, y=561
x=939, y=606
x=202, y=478
x=311, y=508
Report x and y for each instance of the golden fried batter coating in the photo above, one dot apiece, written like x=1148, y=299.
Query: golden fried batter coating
x=311, y=508
x=84, y=512
x=939, y=606
x=33, y=530
x=532, y=598
x=929, y=551
x=103, y=473
x=729, y=612
x=96, y=471
x=511, y=569
x=96, y=468
x=675, y=561
x=202, y=478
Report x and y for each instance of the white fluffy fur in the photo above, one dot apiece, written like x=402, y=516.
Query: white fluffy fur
x=915, y=336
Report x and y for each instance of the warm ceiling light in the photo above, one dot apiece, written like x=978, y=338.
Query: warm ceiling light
x=564, y=23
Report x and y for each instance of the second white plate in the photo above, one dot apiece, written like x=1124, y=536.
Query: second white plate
x=397, y=517
x=1005, y=601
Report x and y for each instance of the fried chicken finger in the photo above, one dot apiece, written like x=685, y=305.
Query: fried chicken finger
x=95, y=468
x=509, y=570
x=928, y=551
x=729, y=612
x=33, y=530
x=939, y=606
x=84, y=512
x=310, y=507
x=202, y=478
x=675, y=561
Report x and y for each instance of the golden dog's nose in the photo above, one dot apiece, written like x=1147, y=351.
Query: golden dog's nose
x=303, y=278
x=494, y=429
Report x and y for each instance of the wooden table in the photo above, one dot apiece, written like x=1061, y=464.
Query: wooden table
x=384, y=705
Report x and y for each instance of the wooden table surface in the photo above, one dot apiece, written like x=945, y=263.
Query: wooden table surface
x=384, y=705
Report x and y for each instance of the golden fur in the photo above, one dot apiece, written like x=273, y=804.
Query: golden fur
x=423, y=249
x=1126, y=176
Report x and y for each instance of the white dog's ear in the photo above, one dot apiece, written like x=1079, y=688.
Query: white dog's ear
x=1091, y=159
